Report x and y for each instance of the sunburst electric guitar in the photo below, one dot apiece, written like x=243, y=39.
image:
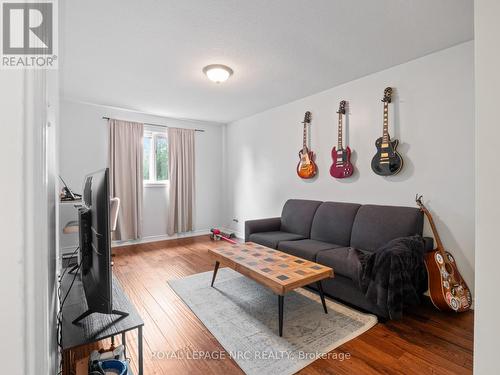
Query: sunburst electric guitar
x=447, y=288
x=306, y=168
x=387, y=161
x=342, y=166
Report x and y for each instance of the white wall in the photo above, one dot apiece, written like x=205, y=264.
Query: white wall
x=487, y=63
x=433, y=117
x=84, y=148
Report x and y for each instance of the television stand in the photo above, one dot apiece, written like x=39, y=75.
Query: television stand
x=88, y=312
x=98, y=327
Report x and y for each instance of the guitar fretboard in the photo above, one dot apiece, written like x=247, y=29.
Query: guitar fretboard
x=385, y=137
x=339, y=142
x=304, y=145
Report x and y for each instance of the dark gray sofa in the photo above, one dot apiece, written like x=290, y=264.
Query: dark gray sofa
x=323, y=232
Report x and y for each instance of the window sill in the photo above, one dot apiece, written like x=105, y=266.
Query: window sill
x=155, y=184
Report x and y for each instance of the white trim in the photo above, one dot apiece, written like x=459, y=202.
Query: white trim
x=148, y=184
x=162, y=237
x=154, y=135
x=152, y=114
x=165, y=237
x=39, y=208
x=67, y=250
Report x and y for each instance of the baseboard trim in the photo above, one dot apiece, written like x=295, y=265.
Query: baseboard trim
x=68, y=250
x=163, y=237
x=166, y=237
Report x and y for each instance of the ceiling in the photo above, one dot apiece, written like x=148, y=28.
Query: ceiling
x=148, y=55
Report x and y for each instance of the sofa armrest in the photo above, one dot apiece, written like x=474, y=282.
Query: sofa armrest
x=428, y=244
x=262, y=225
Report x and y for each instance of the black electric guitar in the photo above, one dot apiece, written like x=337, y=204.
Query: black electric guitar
x=387, y=161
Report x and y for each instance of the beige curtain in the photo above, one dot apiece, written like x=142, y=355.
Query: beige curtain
x=125, y=164
x=181, y=172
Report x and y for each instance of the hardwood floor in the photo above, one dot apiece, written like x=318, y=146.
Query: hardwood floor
x=425, y=341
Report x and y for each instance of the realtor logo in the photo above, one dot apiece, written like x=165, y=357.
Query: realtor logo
x=29, y=35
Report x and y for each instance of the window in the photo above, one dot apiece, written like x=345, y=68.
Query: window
x=155, y=159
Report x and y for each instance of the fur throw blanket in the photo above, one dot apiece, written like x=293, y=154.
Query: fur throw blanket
x=393, y=276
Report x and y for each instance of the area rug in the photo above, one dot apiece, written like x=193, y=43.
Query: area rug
x=243, y=316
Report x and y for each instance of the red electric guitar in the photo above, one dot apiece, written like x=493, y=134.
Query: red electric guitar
x=342, y=166
x=306, y=168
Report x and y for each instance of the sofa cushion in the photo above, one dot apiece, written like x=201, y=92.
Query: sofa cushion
x=272, y=239
x=342, y=260
x=297, y=216
x=376, y=225
x=306, y=249
x=333, y=222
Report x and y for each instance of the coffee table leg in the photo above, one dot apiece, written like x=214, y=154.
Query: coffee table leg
x=280, y=308
x=215, y=272
x=320, y=289
x=140, y=350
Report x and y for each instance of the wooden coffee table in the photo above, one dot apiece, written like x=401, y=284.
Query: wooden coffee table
x=279, y=271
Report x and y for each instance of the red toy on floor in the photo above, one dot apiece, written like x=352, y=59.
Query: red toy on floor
x=217, y=234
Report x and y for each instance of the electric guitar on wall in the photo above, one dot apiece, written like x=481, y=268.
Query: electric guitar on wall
x=387, y=161
x=447, y=288
x=342, y=166
x=306, y=168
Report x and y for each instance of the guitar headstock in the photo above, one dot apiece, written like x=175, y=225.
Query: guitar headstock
x=342, y=107
x=387, y=95
x=420, y=204
x=307, y=118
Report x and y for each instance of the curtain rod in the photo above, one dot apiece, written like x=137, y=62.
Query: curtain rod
x=146, y=123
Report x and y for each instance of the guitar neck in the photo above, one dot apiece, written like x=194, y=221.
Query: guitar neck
x=439, y=244
x=339, y=142
x=385, y=136
x=304, y=144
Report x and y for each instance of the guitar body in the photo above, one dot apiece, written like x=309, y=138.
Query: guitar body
x=387, y=161
x=447, y=289
x=306, y=168
x=342, y=166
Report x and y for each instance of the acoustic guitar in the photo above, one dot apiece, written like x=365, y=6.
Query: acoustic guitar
x=342, y=166
x=447, y=288
x=387, y=161
x=306, y=168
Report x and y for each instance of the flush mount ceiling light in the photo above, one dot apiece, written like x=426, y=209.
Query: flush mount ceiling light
x=217, y=72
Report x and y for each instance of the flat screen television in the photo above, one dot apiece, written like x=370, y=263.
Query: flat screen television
x=95, y=245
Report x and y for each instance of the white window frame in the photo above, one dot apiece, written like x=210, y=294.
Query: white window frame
x=154, y=134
